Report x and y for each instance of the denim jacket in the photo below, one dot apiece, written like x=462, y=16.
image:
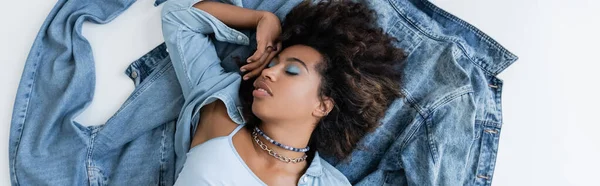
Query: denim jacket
x=445, y=129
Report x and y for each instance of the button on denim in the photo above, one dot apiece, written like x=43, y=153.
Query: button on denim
x=444, y=131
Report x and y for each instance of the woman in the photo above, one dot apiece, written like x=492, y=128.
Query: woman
x=315, y=86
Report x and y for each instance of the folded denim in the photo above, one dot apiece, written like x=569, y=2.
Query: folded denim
x=444, y=131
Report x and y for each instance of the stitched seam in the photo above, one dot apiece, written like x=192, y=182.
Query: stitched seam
x=437, y=37
x=420, y=120
x=434, y=36
x=450, y=97
x=505, y=53
x=434, y=152
x=478, y=32
x=223, y=97
x=412, y=131
x=179, y=38
x=480, y=160
x=413, y=102
x=26, y=109
x=233, y=110
x=444, y=101
x=153, y=52
x=468, y=26
x=162, y=156
x=489, y=123
x=93, y=133
x=181, y=56
x=494, y=158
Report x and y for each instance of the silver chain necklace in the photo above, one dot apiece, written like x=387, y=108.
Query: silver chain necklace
x=275, y=154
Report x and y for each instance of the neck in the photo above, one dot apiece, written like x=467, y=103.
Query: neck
x=291, y=134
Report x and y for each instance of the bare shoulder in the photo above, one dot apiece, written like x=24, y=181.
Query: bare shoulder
x=214, y=122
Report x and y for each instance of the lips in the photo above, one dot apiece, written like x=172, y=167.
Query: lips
x=261, y=85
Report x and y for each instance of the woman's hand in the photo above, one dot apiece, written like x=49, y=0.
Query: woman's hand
x=268, y=30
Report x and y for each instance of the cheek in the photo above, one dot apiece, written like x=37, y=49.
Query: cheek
x=301, y=94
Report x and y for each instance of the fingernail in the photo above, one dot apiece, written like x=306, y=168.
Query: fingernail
x=245, y=77
x=243, y=70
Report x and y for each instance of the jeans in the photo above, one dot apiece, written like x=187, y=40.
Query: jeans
x=444, y=131
x=47, y=147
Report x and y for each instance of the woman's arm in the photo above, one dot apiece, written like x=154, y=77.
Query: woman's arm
x=187, y=24
x=233, y=16
x=267, y=25
x=188, y=32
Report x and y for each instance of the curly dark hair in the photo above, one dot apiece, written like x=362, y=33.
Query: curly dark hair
x=360, y=70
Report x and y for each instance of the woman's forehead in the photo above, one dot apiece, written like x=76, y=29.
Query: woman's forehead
x=306, y=54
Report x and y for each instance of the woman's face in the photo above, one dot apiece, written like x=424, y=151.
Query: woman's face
x=287, y=89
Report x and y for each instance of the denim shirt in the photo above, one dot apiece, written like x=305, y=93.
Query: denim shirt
x=203, y=80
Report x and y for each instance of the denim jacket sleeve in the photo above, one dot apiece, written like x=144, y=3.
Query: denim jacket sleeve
x=190, y=34
x=186, y=31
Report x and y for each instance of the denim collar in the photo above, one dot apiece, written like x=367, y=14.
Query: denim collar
x=315, y=169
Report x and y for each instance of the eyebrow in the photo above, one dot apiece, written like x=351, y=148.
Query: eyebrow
x=293, y=59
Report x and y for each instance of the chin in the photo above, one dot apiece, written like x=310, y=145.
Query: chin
x=259, y=110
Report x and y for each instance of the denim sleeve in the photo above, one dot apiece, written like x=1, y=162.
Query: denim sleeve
x=438, y=152
x=190, y=35
x=187, y=32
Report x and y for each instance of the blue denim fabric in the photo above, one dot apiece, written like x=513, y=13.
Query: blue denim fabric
x=444, y=131
x=46, y=145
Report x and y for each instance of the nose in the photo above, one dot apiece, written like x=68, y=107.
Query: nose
x=270, y=73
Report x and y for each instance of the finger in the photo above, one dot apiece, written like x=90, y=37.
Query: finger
x=258, y=63
x=275, y=51
x=257, y=71
x=250, y=66
x=260, y=51
x=268, y=51
x=277, y=47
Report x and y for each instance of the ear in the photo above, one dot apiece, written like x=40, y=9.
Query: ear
x=324, y=107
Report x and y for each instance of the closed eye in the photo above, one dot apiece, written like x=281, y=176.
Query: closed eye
x=292, y=70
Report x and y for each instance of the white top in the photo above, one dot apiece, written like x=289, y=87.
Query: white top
x=216, y=162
